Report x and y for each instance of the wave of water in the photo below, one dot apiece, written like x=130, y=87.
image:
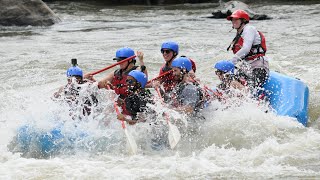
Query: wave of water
x=237, y=142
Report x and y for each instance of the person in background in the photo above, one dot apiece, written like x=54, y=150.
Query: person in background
x=117, y=79
x=137, y=98
x=73, y=92
x=170, y=51
x=249, y=47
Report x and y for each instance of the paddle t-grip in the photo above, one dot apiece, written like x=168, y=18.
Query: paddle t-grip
x=74, y=62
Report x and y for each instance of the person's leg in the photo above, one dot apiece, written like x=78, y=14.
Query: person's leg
x=259, y=77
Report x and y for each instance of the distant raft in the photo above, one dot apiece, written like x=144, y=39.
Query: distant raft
x=288, y=96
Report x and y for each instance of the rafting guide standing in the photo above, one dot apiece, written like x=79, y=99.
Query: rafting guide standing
x=249, y=48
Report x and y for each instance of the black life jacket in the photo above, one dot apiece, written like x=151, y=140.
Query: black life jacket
x=135, y=103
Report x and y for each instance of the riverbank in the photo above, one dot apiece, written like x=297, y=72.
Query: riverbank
x=170, y=2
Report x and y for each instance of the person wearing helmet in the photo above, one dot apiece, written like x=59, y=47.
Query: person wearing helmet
x=170, y=51
x=73, y=94
x=225, y=70
x=249, y=46
x=137, y=99
x=186, y=97
x=117, y=79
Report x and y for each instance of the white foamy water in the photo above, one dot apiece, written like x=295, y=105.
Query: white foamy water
x=238, y=142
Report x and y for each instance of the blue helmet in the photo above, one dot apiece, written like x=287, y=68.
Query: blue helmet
x=123, y=53
x=139, y=76
x=182, y=63
x=225, y=66
x=74, y=71
x=170, y=45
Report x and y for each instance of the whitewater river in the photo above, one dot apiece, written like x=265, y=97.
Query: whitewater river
x=238, y=142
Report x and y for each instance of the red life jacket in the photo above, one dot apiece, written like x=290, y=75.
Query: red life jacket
x=120, y=87
x=255, y=51
x=194, y=67
x=168, y=80
x=119, y=81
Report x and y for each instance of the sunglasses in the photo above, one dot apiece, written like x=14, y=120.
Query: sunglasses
x=130, y=81
x=167, y=51
x=219, y=73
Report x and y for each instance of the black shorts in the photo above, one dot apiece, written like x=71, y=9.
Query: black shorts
x=259, y=77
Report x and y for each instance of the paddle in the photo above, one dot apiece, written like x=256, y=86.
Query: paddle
x=174, y=135
x=132, y=143
x=113, y=65
x=160, y=76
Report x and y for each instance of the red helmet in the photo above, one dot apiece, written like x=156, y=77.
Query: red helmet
x=240, y=14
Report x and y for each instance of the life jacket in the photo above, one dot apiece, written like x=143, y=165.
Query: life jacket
x=120, y=87
x=255, y=51
x=177, y=98
x=138, y=103
x=168, y=80
x=119, y=82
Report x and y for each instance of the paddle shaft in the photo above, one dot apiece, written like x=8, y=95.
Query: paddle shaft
x=207, y=89
x=173, y=134
x=131, y=141
x=160, y=76
x=113, y=65
x=162, y=101
x=159, y=94
x=117, y=110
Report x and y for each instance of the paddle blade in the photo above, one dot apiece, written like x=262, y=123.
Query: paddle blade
x=174, y=135
x=133, y=148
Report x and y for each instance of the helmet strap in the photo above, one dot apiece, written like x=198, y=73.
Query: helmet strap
x=174, y=56
x=125, y=69
x=183, y=72
x=243, y=23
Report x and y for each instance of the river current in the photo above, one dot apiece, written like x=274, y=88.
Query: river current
x=240, y=142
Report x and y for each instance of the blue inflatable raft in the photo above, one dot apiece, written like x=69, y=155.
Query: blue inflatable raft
x=45, y=143
x=35, y=142
x=288, y=96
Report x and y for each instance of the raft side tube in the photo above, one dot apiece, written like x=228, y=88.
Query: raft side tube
x=288, y=96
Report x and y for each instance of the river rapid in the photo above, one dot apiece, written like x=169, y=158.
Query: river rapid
x=241, y=142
